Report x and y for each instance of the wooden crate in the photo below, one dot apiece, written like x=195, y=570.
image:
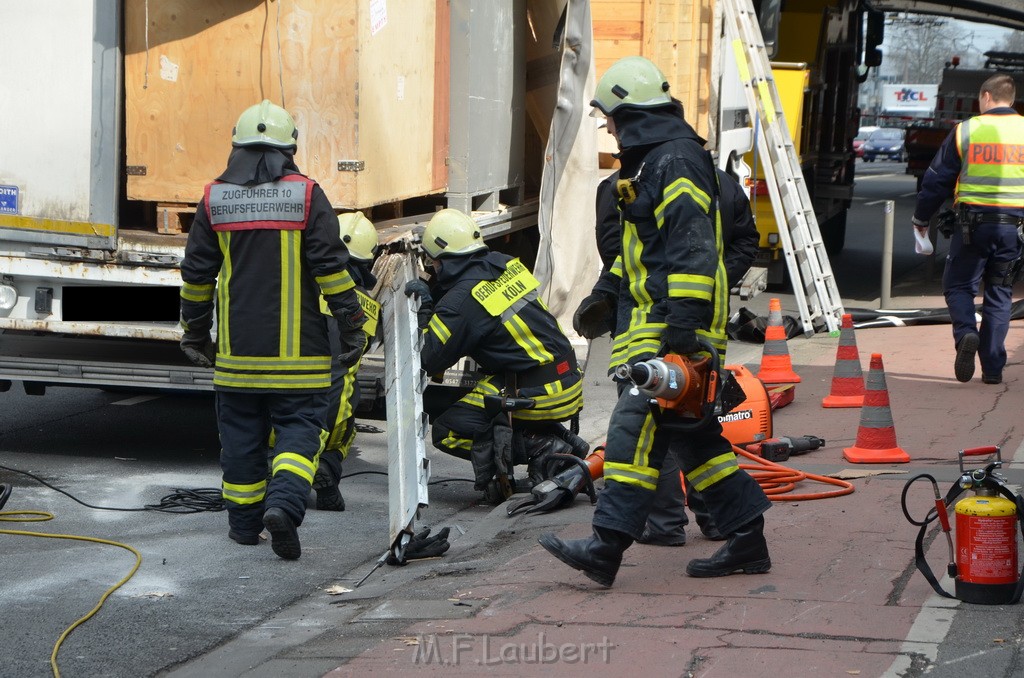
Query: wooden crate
x=362, y=95
x=674, y=34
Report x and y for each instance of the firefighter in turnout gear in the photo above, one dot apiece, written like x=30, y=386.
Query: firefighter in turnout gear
x=360, y=237
x=666, y=523
x=262, y=250
x=490, y=310
x=981, y=164
x=666, y=287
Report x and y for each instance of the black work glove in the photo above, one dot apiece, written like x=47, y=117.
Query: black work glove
x=353, y=344
x=199, y=348
x=595, y=316
x=681, y=340
x=418, y=289
x=350, y=318
x=423, y=545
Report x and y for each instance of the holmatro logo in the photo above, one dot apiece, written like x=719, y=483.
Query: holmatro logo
x=737, y=416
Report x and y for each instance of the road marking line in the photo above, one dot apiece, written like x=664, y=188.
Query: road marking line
x=930, y=628
x=907, y=195
x=878, y=176
x=876, y=202
x=136, y=400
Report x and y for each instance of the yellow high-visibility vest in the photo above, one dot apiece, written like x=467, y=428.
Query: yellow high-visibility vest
x=991, y=149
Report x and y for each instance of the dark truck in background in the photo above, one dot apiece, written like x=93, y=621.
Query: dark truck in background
x=957, y=100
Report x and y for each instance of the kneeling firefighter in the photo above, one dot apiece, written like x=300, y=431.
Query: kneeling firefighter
x=665, y=293
x=490, y=310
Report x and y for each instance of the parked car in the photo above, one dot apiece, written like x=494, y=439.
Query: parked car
x=885, y=142
x=858, y=141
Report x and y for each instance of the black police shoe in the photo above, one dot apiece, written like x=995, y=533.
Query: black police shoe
x=598, y=557
x=966, y=349
x=992, y=378
x=657, y=539
x=745, y=551
x=284, y=538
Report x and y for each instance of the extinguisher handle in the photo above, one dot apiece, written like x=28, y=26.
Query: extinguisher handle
x=980, y=451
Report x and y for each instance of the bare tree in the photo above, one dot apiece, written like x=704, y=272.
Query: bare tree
x=920, y=46
x=1013, y=42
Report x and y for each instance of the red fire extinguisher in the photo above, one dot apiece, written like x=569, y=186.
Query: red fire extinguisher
x=984, y=561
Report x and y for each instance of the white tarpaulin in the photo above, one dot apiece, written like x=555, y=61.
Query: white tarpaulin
x=567, y=259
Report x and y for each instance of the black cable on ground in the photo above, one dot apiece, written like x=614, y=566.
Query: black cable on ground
x=179, y=501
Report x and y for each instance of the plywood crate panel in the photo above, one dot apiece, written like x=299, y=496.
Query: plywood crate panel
x=358, y=92
x=674, y=34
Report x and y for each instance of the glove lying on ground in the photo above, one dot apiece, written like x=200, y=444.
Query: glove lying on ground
x=423, y=545
x=199, y=348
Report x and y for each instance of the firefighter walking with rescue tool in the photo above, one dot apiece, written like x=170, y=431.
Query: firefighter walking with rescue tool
x=668, y=290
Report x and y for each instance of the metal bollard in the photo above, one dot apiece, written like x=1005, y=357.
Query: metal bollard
x=884, y=299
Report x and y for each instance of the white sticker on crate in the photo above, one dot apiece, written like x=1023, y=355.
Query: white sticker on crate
x=168, y=69
x=378, y=15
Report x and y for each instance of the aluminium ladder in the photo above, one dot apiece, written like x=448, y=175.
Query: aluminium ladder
x=814, y=285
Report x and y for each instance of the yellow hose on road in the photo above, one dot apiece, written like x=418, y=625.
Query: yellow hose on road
x=42, y=516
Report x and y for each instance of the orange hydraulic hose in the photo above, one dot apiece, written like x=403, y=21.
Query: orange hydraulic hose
x=777, y=480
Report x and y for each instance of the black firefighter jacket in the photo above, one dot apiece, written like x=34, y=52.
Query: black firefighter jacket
x=267, y=252
x=669, y=270
x=491, y=312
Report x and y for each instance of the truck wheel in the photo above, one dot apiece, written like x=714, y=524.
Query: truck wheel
x=833, y=233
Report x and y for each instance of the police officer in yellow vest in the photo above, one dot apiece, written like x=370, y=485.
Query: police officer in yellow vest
x=490, y=310
x=262, y=250
x=981, y=164
x=360, y=237
x=666, y=287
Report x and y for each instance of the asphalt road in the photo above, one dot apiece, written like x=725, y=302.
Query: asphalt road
x=196, y=589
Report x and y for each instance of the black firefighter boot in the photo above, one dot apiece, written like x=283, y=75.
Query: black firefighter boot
x=598, y=557
x=328, y=494
x=746, y=550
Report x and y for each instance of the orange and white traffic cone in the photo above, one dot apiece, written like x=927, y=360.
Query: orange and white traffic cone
x=776, y=366
x=847, y=380
x=876, y=436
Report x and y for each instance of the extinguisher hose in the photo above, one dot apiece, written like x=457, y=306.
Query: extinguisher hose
x=937, y=512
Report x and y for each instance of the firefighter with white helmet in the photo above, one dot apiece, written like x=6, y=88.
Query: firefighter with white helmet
x=489, y=309
x=263, y=249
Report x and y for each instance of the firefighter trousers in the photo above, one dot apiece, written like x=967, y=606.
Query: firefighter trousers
x=342, y=401
x=993, y=248
x=638, y=440
x=667, y=518
x=245, y=420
